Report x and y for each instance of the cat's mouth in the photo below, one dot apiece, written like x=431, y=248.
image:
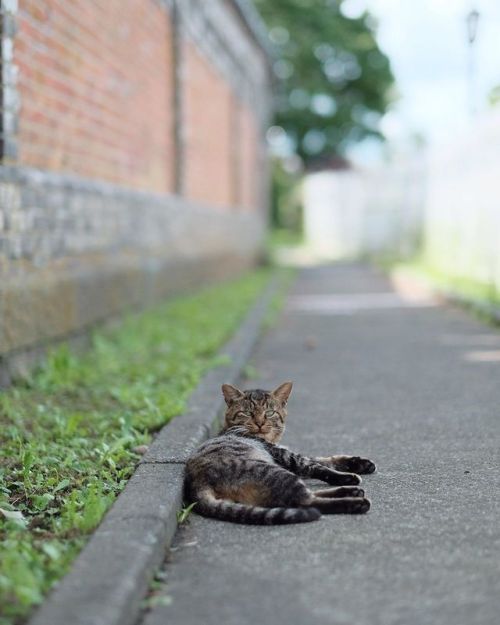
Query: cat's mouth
x=264, y=435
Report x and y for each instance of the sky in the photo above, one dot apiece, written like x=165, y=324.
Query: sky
x=426, y=41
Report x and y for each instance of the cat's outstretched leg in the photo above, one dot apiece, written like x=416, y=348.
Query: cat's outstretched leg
x=310, y=467
x=340, y=491
x=318, y=471
x=351, y=464
x=344, y=505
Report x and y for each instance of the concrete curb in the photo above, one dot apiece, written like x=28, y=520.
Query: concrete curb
x=110, y=577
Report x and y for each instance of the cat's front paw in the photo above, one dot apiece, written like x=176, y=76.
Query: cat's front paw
x=362, y=466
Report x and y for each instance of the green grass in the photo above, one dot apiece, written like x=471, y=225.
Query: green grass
x=184, y=512
x=68, y=434
x=281, y=236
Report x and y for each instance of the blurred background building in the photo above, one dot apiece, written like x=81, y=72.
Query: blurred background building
x=133, y=157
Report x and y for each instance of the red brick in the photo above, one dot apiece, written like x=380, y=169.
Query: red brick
x=208, y=100
x=96, y=81
x=104, y=69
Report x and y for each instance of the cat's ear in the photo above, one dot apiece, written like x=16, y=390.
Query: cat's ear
x=282, y=393
x=231, y=393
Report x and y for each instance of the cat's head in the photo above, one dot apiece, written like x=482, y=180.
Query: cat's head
x=259, y=413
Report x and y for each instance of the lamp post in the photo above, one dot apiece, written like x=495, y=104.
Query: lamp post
x=472, y=20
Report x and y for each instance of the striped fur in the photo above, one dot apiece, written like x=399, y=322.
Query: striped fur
x=225, y=510
x=243, y=476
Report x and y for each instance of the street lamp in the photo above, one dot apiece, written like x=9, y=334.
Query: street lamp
x=472, y=20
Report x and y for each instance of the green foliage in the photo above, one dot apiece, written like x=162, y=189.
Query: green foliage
x=286, y=201
x=334, y=80
x=68, y=434
x=250, y=372
x=183, y=513
x=494, y=96
x=156, y=594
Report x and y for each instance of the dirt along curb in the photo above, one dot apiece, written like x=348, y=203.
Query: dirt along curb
x=403, y=280
x=110, y=577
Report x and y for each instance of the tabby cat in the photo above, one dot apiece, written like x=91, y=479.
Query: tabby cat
x=242, y=475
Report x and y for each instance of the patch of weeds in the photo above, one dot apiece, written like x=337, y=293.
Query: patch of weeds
x=184, y=512
x=250, y=372
x=69, y=432
x=156, y=593
x=283, y=236
x=155, y=600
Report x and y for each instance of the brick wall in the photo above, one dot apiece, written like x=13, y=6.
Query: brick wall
x=131, y=142
x=208, y=117
x=95, y=86
x=96, y=82
x=249, y=158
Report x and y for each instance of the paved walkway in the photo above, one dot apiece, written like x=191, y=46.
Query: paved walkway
x=415, y=388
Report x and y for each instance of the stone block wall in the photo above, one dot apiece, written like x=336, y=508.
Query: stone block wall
x=133, y=159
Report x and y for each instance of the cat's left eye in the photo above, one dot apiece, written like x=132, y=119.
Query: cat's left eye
x=269, y=413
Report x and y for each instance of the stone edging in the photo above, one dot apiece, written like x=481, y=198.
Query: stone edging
x=110, y=577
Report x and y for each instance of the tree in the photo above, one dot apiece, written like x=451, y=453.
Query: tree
x=333, y=80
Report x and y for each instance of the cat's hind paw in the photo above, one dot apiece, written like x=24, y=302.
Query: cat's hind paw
x=360, y=505
x=340, y=491
x=348, y=479
x=346, y=505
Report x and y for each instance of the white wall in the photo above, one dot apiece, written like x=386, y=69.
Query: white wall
x=354, y=212
x=462, y=211
x=445, y=203
x=333, y=214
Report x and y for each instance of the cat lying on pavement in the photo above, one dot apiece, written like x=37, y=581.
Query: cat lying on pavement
x=243, y=475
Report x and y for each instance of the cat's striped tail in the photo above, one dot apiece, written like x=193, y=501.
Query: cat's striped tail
x=225, y=510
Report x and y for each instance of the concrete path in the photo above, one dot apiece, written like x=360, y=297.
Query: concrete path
x=416, y=389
